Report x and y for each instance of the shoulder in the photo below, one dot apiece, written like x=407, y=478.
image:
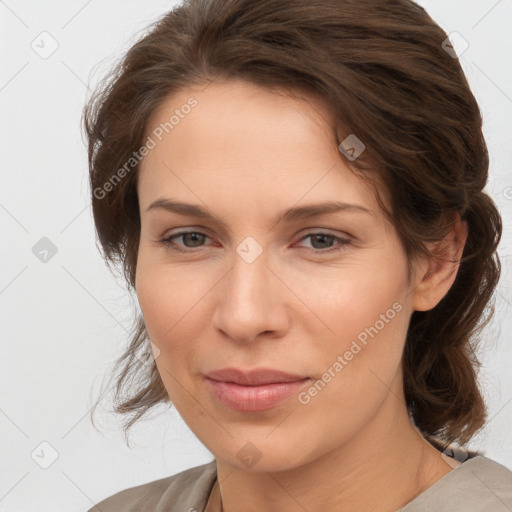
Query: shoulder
x=479, y=484
x=187, y=491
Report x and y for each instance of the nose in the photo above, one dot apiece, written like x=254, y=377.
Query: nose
x=251, y=302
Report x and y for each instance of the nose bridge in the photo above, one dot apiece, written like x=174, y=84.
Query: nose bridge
x=249, y=274
x=247, y=305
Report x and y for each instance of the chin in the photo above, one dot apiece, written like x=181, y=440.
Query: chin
x=260, y=455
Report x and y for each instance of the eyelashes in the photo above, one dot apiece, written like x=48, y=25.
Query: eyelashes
x=169, y=243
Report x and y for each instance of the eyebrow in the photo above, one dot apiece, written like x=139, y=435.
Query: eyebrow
x=290, y=215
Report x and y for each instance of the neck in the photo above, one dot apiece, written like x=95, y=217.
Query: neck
x=383, y=467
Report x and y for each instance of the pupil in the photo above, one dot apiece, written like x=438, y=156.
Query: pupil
x=321, y=236
x=193, y=235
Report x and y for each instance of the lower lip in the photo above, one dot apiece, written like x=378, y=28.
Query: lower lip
x=253, y=398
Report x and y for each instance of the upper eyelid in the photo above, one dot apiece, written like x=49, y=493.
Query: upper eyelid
x=205, y=231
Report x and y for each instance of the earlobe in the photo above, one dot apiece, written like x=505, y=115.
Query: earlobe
x=435, y=277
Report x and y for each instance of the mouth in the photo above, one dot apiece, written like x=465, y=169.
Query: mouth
x=254, y=390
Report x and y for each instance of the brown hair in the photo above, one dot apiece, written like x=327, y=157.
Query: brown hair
x=384, y=70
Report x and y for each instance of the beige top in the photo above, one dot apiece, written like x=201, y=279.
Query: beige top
x=478, y=484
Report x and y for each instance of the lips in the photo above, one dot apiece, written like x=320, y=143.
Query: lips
x=255, y=377
x=253, y=390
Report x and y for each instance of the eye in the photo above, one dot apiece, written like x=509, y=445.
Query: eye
x=321, y=239
x=193, y=237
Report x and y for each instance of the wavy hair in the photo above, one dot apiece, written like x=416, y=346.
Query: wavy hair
x=386, y=70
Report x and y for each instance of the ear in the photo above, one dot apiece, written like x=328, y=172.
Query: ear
x=435, y=275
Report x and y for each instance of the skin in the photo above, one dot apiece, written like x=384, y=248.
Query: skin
x=247, y=154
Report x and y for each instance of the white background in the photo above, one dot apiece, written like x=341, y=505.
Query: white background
x=64, y=322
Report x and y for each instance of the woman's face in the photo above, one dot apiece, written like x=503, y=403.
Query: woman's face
x=316, y=293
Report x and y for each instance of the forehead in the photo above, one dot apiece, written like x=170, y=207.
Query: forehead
x=245, y=140
x=244, y=112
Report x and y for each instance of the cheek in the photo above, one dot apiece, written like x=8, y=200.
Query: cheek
x=359, y=365
x=369, y=310
x=166, y=302
x=363, y=311
x=349, y=298
x=165, y=298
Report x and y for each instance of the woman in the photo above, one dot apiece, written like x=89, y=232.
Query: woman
x=295, y=192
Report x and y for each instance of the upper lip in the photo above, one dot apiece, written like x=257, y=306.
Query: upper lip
x=254, y=377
